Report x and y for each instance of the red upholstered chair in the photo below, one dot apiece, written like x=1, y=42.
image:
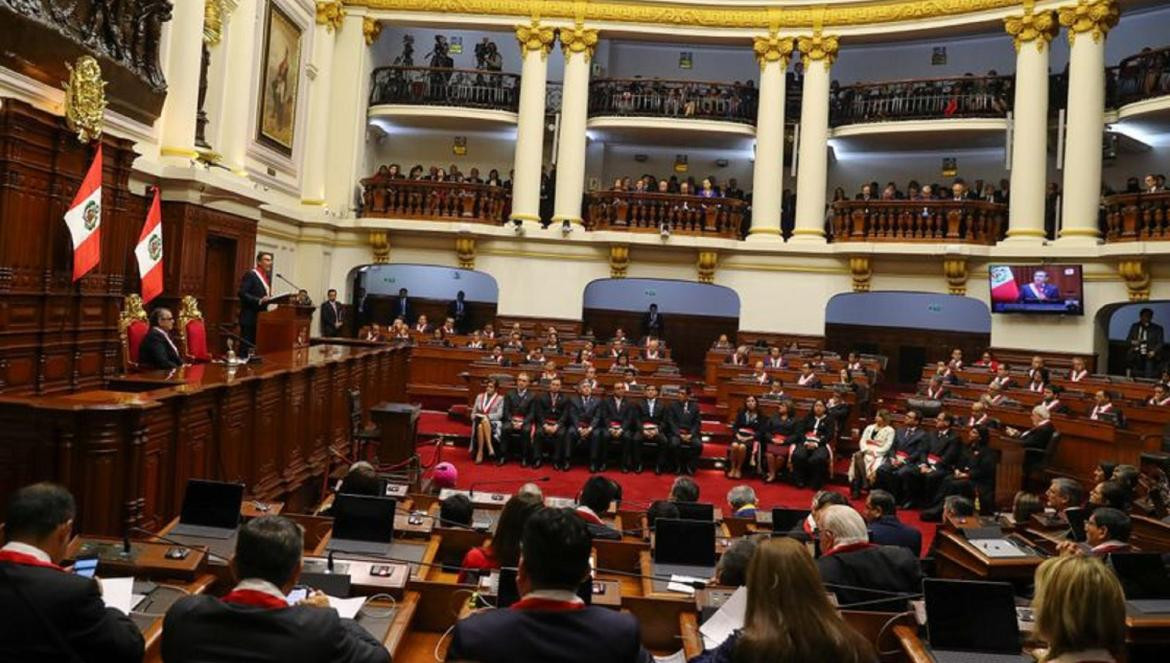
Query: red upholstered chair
x=132, y=328
x=193, y=331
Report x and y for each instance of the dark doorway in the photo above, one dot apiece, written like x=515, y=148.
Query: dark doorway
x=219, y=301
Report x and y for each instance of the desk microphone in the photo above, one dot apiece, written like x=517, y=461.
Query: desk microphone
x=329, y=563
x=226, y=330
x=294, y=286
x=474, y=484
x=173, y=542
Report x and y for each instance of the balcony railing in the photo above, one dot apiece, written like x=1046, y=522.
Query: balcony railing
x=430, y=86
x=1132, y=217
x=964, y=222
x=922, y=99
x=1143, y=76
x=401, y=198
x=649, y=212
x=654, y=97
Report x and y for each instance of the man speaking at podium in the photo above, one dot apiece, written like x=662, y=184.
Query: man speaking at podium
x=255, y=291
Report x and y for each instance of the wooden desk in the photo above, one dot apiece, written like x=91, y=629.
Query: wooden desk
x=147, y=559
x=911, y=645
x=1150, y=534
x=692, y=640
x=148, y=616
x=955, y=557
x=420, y=567
x=404, y=611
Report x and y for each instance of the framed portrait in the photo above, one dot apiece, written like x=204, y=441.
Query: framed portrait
x=279, y=80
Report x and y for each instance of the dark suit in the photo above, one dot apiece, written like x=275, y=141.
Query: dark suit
x=457, y=311
x=810, y=466
x=252, y=290
x=978, y=462
x=623, y=415
x=684, y=416
x=515, y=440
x=908, y=445
x=581, y=414
x=546, y=409
x=401, y=309
x=521, y=636
x=38, y=600
x=203, y=628
x=652, y=325
x=330, y=315
x=647, y=414
x=885, y=568
x=156, y=353
x=1038, y=437
x=1142, y=341
x=940, y=454
x=889, y=531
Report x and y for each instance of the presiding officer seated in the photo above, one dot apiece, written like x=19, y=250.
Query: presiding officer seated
x=550, y=622
x=50, y=614
x=254, y=622
x=158, y=350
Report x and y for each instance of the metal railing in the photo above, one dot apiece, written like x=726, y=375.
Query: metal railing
x=964, y=222
x=655, y=97
x=651, y=212
x=1132, y=217
x=431, y=86
x=928, y=98
x=1143, y=76
x=401, y=198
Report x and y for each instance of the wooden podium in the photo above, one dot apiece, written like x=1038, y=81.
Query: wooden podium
x=284, y=328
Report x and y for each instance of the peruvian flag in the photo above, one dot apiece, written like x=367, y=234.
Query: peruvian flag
x=1003, y=284
x=84, y=219
x=150, y=252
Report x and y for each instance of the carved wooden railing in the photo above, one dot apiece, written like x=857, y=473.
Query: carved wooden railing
x=434, y=86
x=923, y=98
x=656, y=97
x=649, y=212
x=1143, y=76
x=1137, y=216
x=964, y=222
x=401, y=198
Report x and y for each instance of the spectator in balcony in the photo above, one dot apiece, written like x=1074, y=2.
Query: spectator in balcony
x=473, y=177
x=493, y=178
x=913, y=190
x=959, y=190
x=416, y=172
x=708, y=189
x=1152, y=185
x=839, y=195
x=866, y=192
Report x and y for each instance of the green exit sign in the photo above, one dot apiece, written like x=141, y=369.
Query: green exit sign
x=934, y=308
x=651, y=293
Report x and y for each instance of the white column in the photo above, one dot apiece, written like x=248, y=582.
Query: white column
x=231, y=131
x=345, y=151
x=535, y=43
x=768, y=170
x=817, y=54
x=578, y=45
x=184, y=55
x=1087, y=24
x=313, y=166
x=1032, y=33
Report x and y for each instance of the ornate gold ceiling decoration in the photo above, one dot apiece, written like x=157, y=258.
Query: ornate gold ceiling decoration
x=1031, y=26
x=709, y=15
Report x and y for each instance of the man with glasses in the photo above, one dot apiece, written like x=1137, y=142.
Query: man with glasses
x=158, y=350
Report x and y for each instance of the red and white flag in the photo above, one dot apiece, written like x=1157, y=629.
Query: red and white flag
x=150, y=252
x=1003, y=284
x=84, y=219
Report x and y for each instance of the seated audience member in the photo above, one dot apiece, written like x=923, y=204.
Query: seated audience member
x=455, y=510
x=503, y=550
x=994, y=396
x=1038, y=380
x=497, y=356
x=486, y=414
x=1107, y=531
x=373, y=333
x=922, y=477
x=810, y=456
x=780, y=436
x=1003, y=378
x=881, y=512
x=1051, y=400
x=550, y=622
x=987, y=360
x=721, y=343
x=1037, y=367
x=731, y=571
x=254, y=622
x=1102, y=405
x=979, y=417
x=742, y=500
x=650, y=429
x=1103, y=471
x=360, y=479
x=1111, y=494
x=516, y=429
x=684, y=489
x=876, y=441
x=532, y=490
x=660, y=509
x=1039, y=435
x=551, y=418
x=1160, y=397
x=945, y=374
x=759, y=374
x=421, y=325
x=685, y=424
x=445, y=475
x=1064, y=493
x=775, y=359
x=49, y=613
x=909, y=443
x=807, y=377
x=956, y=361
x=746, y=429
x=1078, y=371
x=596, y=496
x=851, y=566
x=1079, y=611
x=792, y=626
x=158, y=350
x=973, y=475
x=1024, y=506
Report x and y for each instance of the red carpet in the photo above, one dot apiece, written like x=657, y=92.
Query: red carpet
x=637, y=489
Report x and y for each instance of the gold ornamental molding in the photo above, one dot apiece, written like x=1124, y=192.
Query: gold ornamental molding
x=706, y=264
x=331, y=14
x=772, y=49
x=465, y=252
x=380, y=243
x=215, y=15
x=711, y=15
x=1096, y=17
x=818, y=47
x=1031, y=27
x=619, y=260
x=578, y=39
x=861, y=268
x=535, y=37
x=85, y=98
x=371, y=30
x=955, y=269
x=1136, y=274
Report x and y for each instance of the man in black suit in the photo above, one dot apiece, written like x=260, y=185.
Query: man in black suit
x=597, y=494
x=908, y=445
x=331, y=319
x=881, y=512
x=516, y=429
x=551, y=420
x=922, y=479
x=652, y=323
x=402, y=306
x=617, y=419
x=858, y=571
x=254, y=622
x=1145, y=338
x=550, y=622
x=583, y=425
x=158, y=350
x=49, y=613
x=649, y=429
x=685, y=432
x=457, y=311
x=255, y=291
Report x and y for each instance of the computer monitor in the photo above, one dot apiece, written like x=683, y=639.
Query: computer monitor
x=1076, y=517
x=684, y=542
x=696, y=511
x=950, y=605
x=785, y=520
x=212, y=503
x=1143, y=575
x=363, y=518
x=333, y=584
x=507, y=593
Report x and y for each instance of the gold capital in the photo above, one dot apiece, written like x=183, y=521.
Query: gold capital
x=380, y=243
x=535, y=37
x=1136, y=274
x=619, y=260
x=331, y=14
x=706, y=264
x=1096, y=17
x=818, y=47
x=371, y=30
x=1031, y=27
x=578, y=39
x=955, y=270
x=861, y=269
x=772, y=49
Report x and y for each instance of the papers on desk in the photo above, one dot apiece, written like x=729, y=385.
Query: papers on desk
x=678, y=657
x=683, y=584
x=998, y=548
x=118, y=593
x=347, y=608
x=726, y=620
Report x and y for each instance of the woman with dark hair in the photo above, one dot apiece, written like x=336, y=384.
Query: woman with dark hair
x=746, y=430
x=780, y=437
x=504, y=548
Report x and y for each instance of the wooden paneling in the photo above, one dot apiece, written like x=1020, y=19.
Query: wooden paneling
x=687, y=336
x=1022, y=358
x=906, y=349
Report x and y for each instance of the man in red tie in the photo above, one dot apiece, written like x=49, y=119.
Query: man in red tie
x=255, y=291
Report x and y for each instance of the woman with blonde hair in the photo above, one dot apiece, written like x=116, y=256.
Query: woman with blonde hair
x=1080, y=610
x=789, y=618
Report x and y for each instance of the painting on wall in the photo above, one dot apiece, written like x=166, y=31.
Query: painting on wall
x=280, y=80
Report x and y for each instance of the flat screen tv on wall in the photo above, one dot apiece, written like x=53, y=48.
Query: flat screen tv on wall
x=1042, y=289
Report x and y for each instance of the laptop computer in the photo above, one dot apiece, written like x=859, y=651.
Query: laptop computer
x=211, y=509
x=362, y=524
x=785, y=520
x=684, y=547
x=957, y=638
x=1145, y=581
x=696, y=511
x=507, y=592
